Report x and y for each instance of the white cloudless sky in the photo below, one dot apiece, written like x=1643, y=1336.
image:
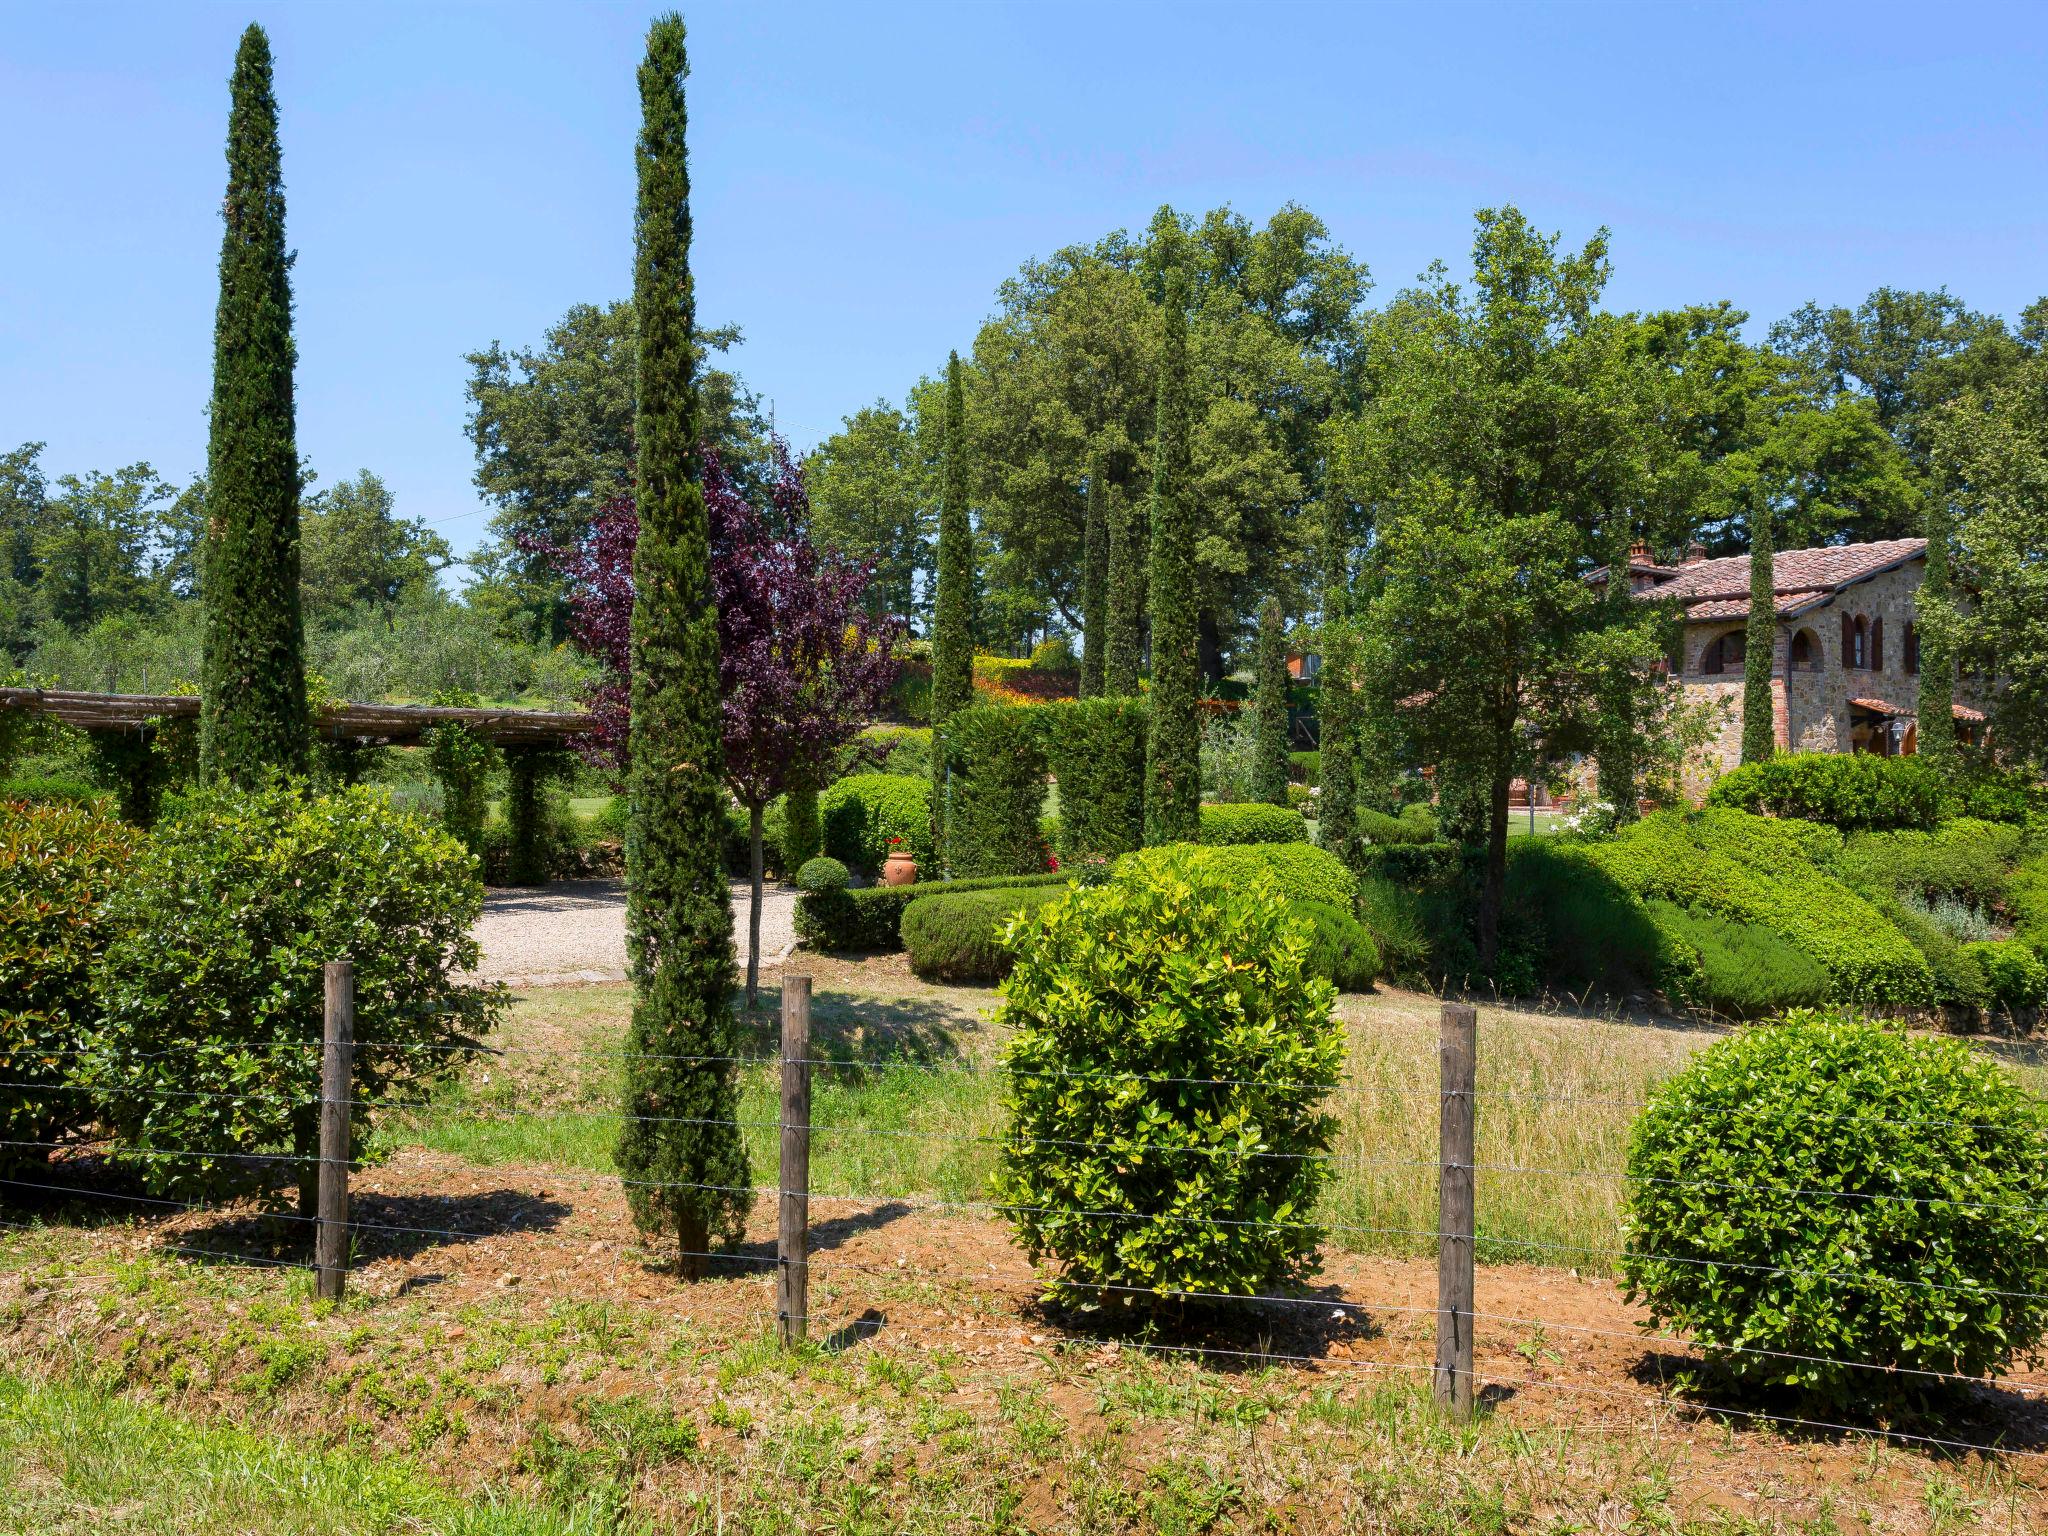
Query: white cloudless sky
x=866, y=174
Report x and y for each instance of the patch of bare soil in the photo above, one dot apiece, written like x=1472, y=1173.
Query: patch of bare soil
x=442, y=1242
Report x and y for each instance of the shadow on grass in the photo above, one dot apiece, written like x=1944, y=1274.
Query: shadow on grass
x=860, y=1030
x=1942, y=1420
x=1316, y=1325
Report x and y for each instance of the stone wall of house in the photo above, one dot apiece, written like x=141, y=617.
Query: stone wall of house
x=1817, y=697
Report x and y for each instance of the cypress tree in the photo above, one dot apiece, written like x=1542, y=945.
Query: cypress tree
x=253, y=710
x=681, y=1089
x=1123, y=646
x=952, y=642
x=1936, y=621
x=1760, y=644
x=1337, y=698
x=1269, y=778
x=1095, y=584
x=1173, y=757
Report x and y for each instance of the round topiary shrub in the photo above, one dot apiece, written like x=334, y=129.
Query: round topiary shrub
x=59, y=865
x=1340, y=949
x=822, y=874
x=1165, y=1133
x=958, y=936
x=1827, y=1190
x=212, y=985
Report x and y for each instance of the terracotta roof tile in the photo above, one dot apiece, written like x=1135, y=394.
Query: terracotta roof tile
x=1716, y=590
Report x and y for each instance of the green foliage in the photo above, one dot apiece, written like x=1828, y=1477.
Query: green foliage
x=957, y=937
x=535, y=813
x=51, y=789
x=1097, y=751
x=1252, y=823
x=1269, y=781
x=679, y=1149
x=1578, y=929
x=1847, y=790
x=1939, y=621
x=1759, y=715
x=1964, y=859
x=1909, y=1175
x=1398, y=920
x=1340, y=950
x=1173, y=758
x=1095, y=583
x=1305, y=768
x=1414, y=825
x=1759, y=871
x=803, y=834
x=871, y=488
x=60, y=862
x=2013, y=971
x=1170, y=1055
x=1055, y=653
x=463, y=762
x=1733, y=968
x=871, y=919
x=254, y=716
x=212, y=982
x=1124, y=649
x=821, y=874
x=952, y=637
x=863, y=811
x=995, y=783
x=1301, y=871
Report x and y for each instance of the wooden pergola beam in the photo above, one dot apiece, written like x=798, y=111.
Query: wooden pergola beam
x=384, y=725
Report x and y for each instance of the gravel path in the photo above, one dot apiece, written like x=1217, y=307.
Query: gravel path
x=575, y=931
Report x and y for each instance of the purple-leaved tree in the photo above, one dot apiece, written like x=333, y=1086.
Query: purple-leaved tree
x=800, y=666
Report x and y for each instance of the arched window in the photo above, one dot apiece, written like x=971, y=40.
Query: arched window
x=1805, y=654
x=1724, y=654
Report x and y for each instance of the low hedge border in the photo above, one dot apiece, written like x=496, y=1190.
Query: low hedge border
x=871, y=920
x=957, y=936
x=1254, y=822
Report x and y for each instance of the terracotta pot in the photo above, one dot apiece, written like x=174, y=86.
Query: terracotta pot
x=899, y=869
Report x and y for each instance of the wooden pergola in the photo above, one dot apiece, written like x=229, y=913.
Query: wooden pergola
x=367, y=725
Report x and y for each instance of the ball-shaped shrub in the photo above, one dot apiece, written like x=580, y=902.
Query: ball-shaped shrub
x=212, y=986
x=1836, y=1190
x=1166, y=1135
x=822, y=874
x=59, y=865
x=958, y=937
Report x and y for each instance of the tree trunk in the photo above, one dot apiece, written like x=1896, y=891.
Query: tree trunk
x=1493, y=891
x=754, y=913
x=693, y=1243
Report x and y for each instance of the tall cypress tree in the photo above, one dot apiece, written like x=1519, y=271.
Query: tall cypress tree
x=1123, y=646
x=1760, y=644
x=1337, y=698
x=952, y=641
x=1269, y=777
x=1095, y=583
x=1936, y=630
x=253, y=708
x=679, y=1149
x=1173, y=757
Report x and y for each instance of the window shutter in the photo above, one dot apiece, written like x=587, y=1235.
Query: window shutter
x=1912, y=648
x=1877, y=645
x=1848, y=642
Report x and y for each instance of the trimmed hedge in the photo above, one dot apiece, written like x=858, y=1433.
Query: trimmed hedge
x=821, y=875
x=1097, y=748
x=1934, y=1234
x=1741, y=969
x=1340, y=949
x=958, y=937
x=1581, y=929
x=1302, y=871
x=1966, y=859
x=863, y=810
x=44, y=789
x=2012, y=970
x=1223, y=825
x=1760, y=871
x=995, y=791
x=1408, y=863
x=869, y=920
x=1414, y=825
x=59, y=865
x=1842, y=789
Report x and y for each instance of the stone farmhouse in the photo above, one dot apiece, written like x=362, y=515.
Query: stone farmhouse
x=1845, y=663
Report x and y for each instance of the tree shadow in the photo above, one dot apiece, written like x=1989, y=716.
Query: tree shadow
x=1940, y=1420
x=761, y=1255
x=1225, y=1336
x=862, y=1033
x=554, y=899
x=382, y=1226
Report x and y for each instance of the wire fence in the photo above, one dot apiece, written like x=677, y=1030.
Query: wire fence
x=1471, y=1337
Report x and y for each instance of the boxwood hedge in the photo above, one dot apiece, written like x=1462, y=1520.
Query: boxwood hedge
x=862, y=811
x=1254, y=822
x=958, y=937
x=871, y=919
x=995, y=791
x=1301, y=871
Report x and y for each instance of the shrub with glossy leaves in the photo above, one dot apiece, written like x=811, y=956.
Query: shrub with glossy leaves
x=59, y=865
x=1831, y=1188
x=2013, y=972
x=1848, y=790
x=1166, y=1134
x=863, y=811
x=212, y=986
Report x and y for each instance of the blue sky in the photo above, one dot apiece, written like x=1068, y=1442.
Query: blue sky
x=866, y=174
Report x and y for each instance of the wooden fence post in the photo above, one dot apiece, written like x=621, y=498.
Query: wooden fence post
x=337, y=1066
x=1457, y=1050
x=793, y=1267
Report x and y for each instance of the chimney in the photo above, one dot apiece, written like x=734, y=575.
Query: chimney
x=1640, y=550
x=1695, y=552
